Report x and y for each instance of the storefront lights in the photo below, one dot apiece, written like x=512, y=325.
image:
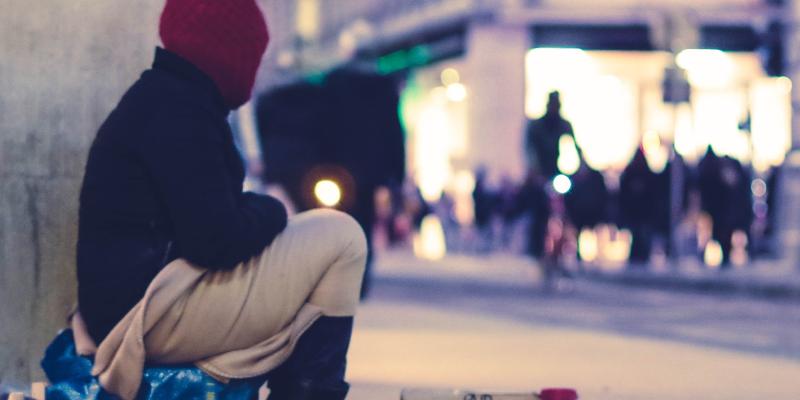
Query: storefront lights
x=568, y=159
x=456, y=92
x=707, y=68
x=450, y=76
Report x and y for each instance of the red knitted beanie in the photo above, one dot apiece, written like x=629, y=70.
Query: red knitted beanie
x=226, y=39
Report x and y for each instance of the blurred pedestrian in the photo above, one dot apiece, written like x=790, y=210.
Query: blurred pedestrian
x=365, y=136
x=587, y=201
x=675, y=172
x=543, y=137
x=726, y=197
x=637, y=197
x=346, y=129
x=483, y=200
x=534, y=202
x=772, y=224
x=506, y=198
x=175, y=263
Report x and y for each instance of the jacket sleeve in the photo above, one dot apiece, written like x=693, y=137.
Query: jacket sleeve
x=215, y=228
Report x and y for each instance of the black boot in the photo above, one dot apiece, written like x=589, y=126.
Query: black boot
x=305, y=391
x=316, y=368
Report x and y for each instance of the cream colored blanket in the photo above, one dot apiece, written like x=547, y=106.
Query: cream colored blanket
x=120, y=358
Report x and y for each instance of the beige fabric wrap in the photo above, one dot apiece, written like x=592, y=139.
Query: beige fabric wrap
x=239, y=323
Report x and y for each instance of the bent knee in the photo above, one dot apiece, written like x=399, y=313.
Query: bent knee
x=351, y=233
x=341, y=227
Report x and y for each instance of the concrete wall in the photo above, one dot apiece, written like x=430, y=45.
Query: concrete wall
x=65, y=64
x=495, y=78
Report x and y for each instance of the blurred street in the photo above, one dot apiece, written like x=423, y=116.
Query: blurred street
x=484, y=323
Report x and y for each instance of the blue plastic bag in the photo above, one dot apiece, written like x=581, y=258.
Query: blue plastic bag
x=71, y=379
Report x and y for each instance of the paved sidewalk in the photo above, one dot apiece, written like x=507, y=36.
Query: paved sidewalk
x=766, y=278
x=771, y=279
x=482, y=323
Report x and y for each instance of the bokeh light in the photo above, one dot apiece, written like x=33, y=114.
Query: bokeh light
x=758, y=187
x=450, y=76
x=429, y=243
x=456, y=92
x=328, y=193
x=568, y=159
x=587, y=245
x=562, y=184
x=707, y=68
x=713, y=254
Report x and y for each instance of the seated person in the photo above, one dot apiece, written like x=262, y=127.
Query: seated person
x=175, y=263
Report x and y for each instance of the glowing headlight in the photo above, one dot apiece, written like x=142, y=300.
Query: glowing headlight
x=328, y=193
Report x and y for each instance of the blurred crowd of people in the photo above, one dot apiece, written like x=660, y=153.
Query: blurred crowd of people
x=718, y=207
x=718, y=210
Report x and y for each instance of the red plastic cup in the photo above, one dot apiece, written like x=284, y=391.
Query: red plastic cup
x=558, y=394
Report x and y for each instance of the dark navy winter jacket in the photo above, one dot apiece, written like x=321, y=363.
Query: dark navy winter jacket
x=164, y=181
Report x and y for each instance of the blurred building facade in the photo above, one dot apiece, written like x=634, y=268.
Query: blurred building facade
x=474, y=71
x=608, y=59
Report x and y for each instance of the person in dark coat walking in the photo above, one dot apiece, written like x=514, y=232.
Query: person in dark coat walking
x=726, y=197
x=163, y=183
x=534, y=201
x=543, y=136
x=345, y=129
x=367, y=139
x=636, y=198
x=505, y=200
x=483, y=201
x=587, y=201
x=668, y=212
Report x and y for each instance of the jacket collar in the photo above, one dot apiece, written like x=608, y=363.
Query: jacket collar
x=178, y=66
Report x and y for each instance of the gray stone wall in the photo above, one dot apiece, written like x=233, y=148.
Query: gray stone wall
x=64, y=66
